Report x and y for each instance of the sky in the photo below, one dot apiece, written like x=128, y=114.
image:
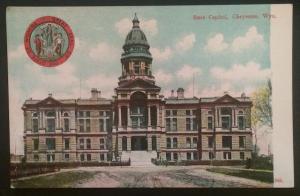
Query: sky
x=230, y=55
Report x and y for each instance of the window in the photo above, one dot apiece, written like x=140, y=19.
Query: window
x=124, y=143
x=88, y=157
x=88, y=143
x=102, y=144
x=211, y=155
x=35, y=144
x=188, y=142
x=226, y=141
x=209, y=122
x=154, y=146
x=136, y=69
x=194, y=112
x=194, y=124
x=168, y=113
x=36, y=157
x=175, y=156
x=88, y=125
x=66, y=114
x=174, y=142
x=35, y=125
x=188, y=156
x=81, y=125
x=81, y=144
x=168, y=142
x=227, y=155
x=195, y=154
x=241, y=122
x=210, y=141
x=67, y=157
x=101, y=125
x=102, y=157
x=107, y=127
x=168, y=124
x=174, y=112
x=81, y=157
x=101, y=113
x=88, y=114
x=242, y=141
x=188, y=123
x=50, y=157
x=174, y=124
x=66, y=125
x=195, y=140
x=80, y=114
x=50, y=142
x=242, y=155
x=168, y=156
x=50, y=125
x=188, y=112
x=67, y=144
x=225, y=122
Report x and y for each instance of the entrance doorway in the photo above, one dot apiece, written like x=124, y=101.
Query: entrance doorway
x=139, y=143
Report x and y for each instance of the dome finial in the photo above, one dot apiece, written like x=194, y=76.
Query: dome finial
x=135, y=21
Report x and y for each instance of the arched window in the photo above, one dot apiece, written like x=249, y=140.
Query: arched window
x=66, y=114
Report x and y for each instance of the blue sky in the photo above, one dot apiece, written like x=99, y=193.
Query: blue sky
x=223, y=55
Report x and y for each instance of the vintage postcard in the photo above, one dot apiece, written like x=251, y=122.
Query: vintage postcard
x=151, y=96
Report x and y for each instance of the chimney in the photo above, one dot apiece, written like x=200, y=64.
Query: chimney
x=95, y=93
x=172, y=93
x=180, y=93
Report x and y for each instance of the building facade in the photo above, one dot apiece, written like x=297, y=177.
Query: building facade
x=137, y=118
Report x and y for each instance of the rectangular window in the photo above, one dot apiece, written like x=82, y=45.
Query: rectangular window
x=241, y=123
x=188, y=156
x=35, y=144
x=36, y=157
x=226, y=122
x=168, y=156
x=67, y=144
x=80, y=113
x=102, y=157
x=175, y=156
x=81, y=157
x=50, y=125
x=188, y=112
x=174, y=142
x=188, y=142
x=168, y=142
x=195, y=140
x=50, y=142
x=227, y=155
x=210, y=141
x=50, y=157
x=101, y=113
x=102, y=144
x=194, y=112
x=195, y=124
x=67, y=157
x=88, y=143
x=211, y=155
x=174, y=124
x=188, y=123
x=168, y=113
x=242, y=141
x=35, y=125
x=226, y=141
x=174, y=112
x=66, y=125
x=107, y=127
x=101, y=125
x=210, y=123
x=81, y=144
x=195, y=155
x=242, y=155
x=81, y=125
x=88, y=157
x=87, y=114
x=88, y=125
x=168, y=124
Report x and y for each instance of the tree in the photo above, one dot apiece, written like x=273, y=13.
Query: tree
x=261, y=114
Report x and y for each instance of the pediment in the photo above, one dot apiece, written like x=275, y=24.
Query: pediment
x=226, y=99
x=49, y=101
x=138, y=84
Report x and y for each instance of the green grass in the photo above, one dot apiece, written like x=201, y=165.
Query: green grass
x=60, y=180
x=263, y=176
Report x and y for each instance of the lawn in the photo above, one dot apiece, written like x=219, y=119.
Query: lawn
x=60, y=180
x=263, y=176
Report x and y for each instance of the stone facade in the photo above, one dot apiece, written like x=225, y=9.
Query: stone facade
x=138, y=117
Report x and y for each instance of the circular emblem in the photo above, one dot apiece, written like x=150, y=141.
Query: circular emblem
x=49, y=41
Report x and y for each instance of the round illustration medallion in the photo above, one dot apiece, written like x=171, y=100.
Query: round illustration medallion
x=49, y=41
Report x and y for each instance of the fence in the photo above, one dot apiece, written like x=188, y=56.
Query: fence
x=199, y=162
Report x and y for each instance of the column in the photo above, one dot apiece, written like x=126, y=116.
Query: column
x=40, y=119
x=56, y=119
x=149, y=116
x=128, y=117
x=119, y=120
x=157, y=115
x=162, y=117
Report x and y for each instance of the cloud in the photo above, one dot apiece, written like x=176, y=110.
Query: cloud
x=161, y=55
x=186, y=72
x=17, y=53
x=251, y=38
x=186, y=43
x=163, y=77
x=216, y=44
x=250, y=72
x=104, y=83
x=104, y=52
x=124, y=25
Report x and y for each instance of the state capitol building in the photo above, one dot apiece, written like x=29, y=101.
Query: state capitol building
x=137, y=118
